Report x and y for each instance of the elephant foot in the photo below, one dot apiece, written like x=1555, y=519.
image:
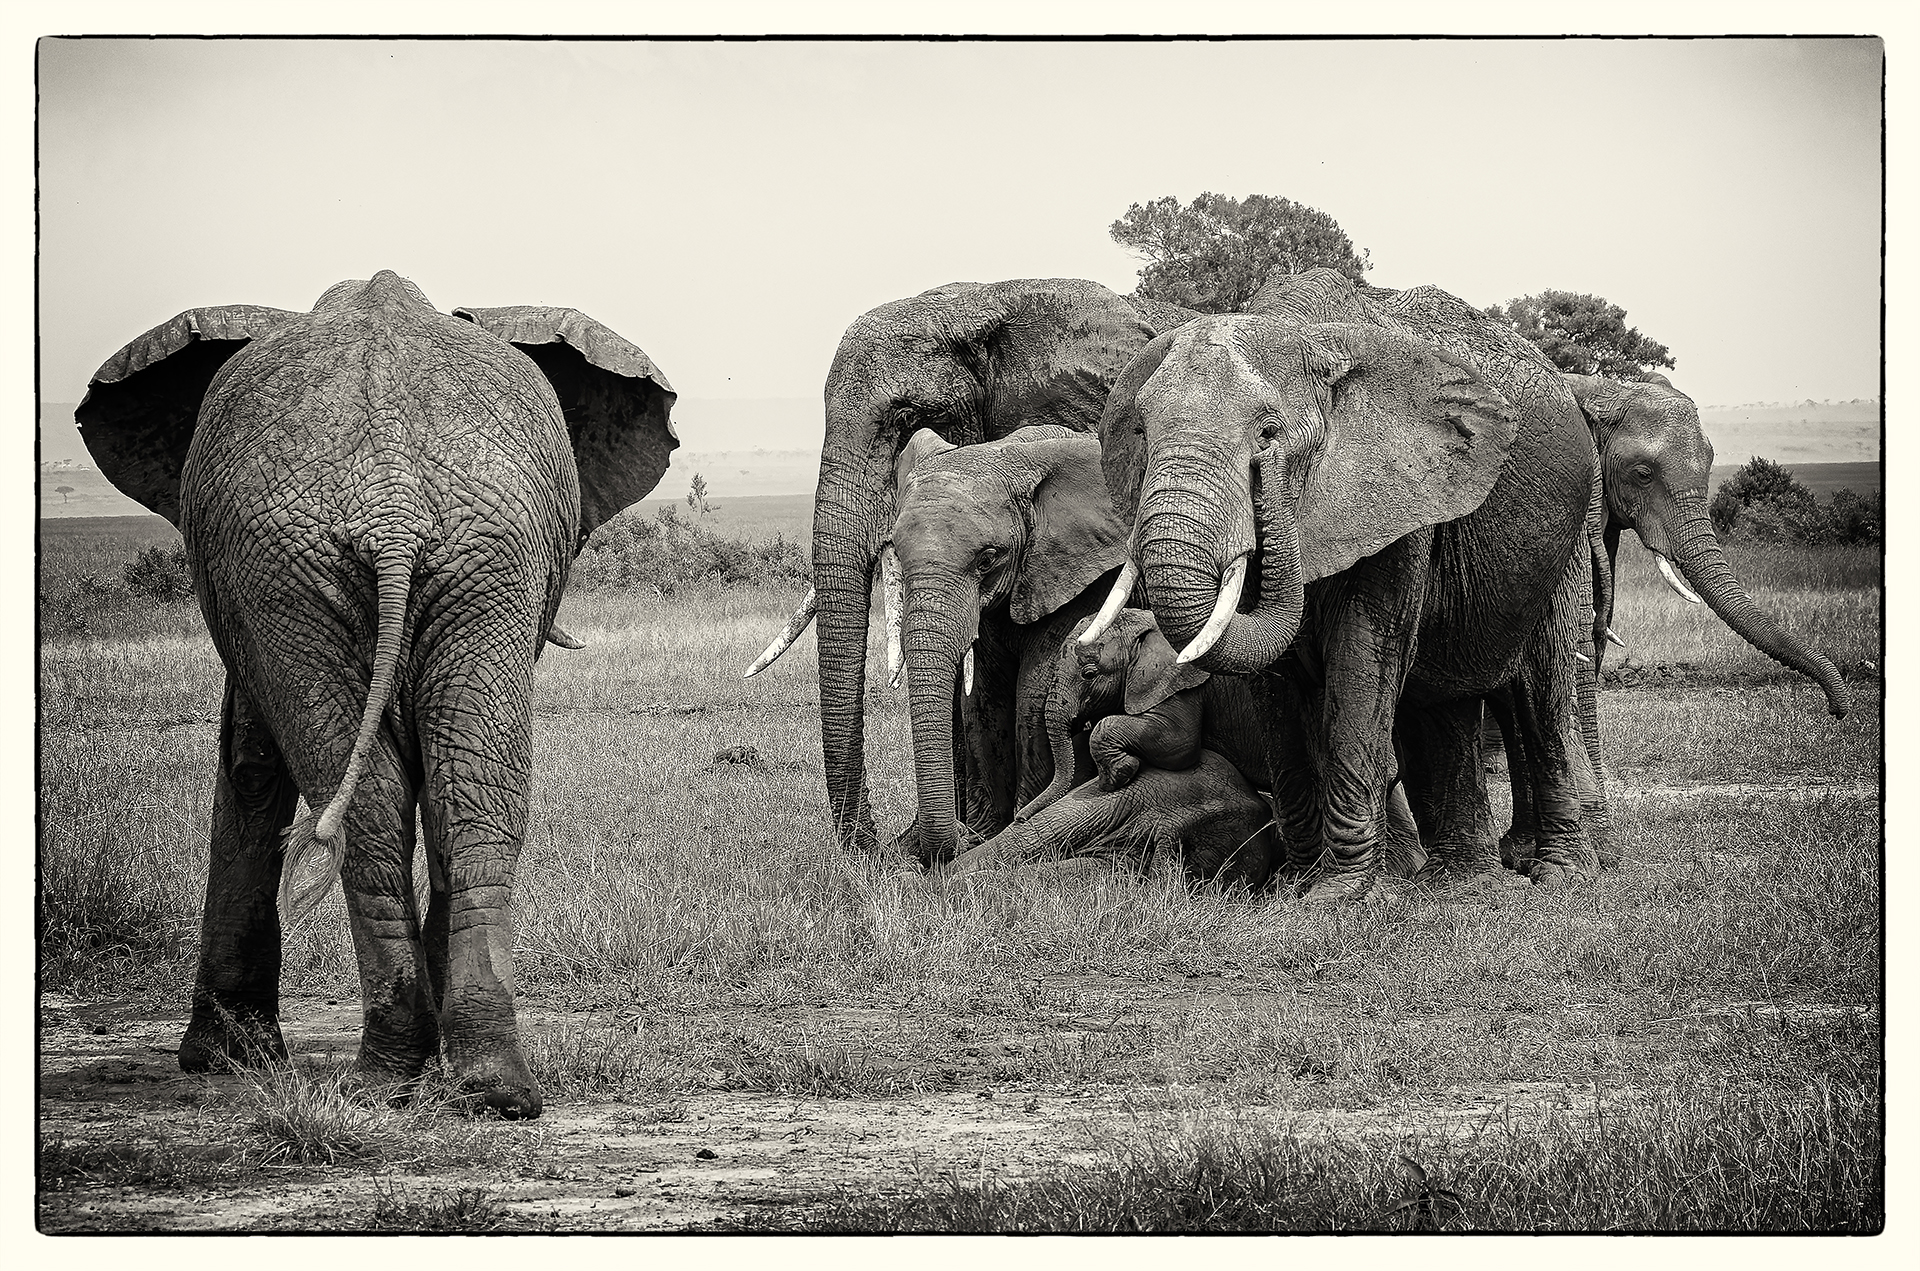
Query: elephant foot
x=219, y=1039
x=1334, y=888
x=1446, y=866
x=500, y=1083
x=1516, y=851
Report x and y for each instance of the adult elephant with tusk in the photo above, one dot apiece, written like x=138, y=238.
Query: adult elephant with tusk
x=1654, y=463
x=1398, y=484
x=972, y=362
x=381, y=503
x=1001, y=545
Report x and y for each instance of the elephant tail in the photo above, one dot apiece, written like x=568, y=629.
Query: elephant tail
x=314, y=851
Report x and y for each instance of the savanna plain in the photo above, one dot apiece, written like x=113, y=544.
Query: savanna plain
x=741, y=1027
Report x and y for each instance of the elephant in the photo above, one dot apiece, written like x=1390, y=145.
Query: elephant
x=1002, y=544
x=380, y=503
x=1126, y=701
x=1654, y=463
x=1207, y=814
x=973, y=362
x=1398, y=484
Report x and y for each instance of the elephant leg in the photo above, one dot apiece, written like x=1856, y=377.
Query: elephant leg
x=1596, y=812
x=1446, y=785
x=1289, y=702
x=988, y=714
x=476, y=752
x=1517, y=844
x=236, y=991
x=1543, y=710
x=1400, y=835
x=1368, y=621
x=399, y=1034
x=1033, y=734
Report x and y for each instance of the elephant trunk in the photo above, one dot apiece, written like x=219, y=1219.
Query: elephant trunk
x=1698, y=554
x=1063, y=710
x=1183, y=520
x=850, y=508
x=943, y=614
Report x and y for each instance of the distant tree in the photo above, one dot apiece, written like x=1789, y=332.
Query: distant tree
x=1587, y=335
x=1215, y=253
x=63, y=491
x=697, y=496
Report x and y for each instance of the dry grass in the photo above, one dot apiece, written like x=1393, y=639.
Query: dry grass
x=672, y=903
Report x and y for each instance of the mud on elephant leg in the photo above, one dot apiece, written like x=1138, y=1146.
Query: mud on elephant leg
x=1447, y=790
x=236, y=992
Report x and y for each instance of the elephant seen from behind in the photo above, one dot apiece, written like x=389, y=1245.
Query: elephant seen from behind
x=380, y=503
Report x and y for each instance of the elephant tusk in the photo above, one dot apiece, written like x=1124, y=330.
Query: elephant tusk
x=891, y=589
x=1223, y=607
x=1668, y=572
x=966, y=671
x=1116, y=600
x=556, y=636
x=1580, y=657
x=788, y=634
x=1614, y=639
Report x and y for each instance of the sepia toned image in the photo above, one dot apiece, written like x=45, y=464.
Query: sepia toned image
x=881, y=635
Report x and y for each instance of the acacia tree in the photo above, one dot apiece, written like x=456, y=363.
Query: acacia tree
x=1215, y=253
x=1587, y=335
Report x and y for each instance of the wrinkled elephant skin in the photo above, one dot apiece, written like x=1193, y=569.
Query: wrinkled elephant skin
x=380, y=504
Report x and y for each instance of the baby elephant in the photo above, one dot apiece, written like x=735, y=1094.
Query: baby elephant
x=1118, y=703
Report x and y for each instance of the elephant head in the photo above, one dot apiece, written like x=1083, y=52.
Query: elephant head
x=1022, y=524
x=1654, y=463
x=971, y=362
x=1129, y=669
x=1296, y=449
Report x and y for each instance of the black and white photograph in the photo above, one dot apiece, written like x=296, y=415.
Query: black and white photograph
x=1218, y=630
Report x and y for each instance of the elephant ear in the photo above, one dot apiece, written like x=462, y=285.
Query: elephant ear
x=1154, y=674
x=1413, y=437
x=142, y=404
x=922, y=446
x=1073, y=537
x=1123, y=433
x=617, y=403
x=1604, y=401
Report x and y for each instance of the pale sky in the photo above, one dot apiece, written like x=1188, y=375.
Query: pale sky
x=732, y=207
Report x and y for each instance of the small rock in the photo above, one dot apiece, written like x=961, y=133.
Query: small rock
x=99, y=1030
x=623, y=1191
x=707, y=1154
x=748, y=755
x=986, y=1094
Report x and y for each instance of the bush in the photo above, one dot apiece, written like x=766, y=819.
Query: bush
x=1765, y=503
x=665, y=552
x=161, y=573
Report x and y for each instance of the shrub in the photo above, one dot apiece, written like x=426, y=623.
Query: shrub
x=161, y=573
x=1765, y=503
x=666, y=552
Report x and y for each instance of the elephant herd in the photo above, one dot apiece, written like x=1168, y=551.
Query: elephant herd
x=1240, y=588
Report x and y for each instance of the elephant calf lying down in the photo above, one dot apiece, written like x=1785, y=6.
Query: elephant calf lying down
x=1208, y=814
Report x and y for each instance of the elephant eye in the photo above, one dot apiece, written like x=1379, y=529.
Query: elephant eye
x=901, y=417
x=1641, y=472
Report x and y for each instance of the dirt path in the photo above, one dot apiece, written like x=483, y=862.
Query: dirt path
x=139, y=1144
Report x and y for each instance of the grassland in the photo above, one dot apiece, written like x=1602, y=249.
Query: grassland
x=1691, y=1043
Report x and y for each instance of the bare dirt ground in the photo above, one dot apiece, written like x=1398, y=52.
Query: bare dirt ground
x=109, y=1079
